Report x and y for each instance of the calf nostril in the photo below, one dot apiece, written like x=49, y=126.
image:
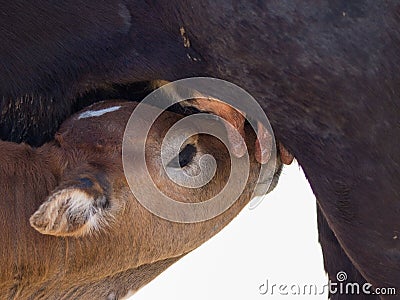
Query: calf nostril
x=85, y=183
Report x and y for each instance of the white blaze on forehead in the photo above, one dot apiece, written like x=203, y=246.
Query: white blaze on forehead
x=97, y=113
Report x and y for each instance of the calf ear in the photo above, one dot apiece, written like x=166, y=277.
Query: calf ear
x=77, y=208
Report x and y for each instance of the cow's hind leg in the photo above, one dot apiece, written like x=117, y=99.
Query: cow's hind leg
x=336, y=260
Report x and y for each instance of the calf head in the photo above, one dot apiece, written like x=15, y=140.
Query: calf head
x=93, y=192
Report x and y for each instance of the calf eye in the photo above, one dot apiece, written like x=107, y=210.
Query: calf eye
x=184, y=157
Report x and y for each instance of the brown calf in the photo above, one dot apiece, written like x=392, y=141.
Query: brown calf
x=93, y=239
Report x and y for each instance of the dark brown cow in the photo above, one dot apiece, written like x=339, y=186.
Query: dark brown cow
x=96, y=240
x=326, y=74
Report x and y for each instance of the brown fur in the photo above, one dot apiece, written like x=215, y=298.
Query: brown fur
x=130, y=246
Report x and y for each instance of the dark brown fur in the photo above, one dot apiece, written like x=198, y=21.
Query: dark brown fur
x=326, y=74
